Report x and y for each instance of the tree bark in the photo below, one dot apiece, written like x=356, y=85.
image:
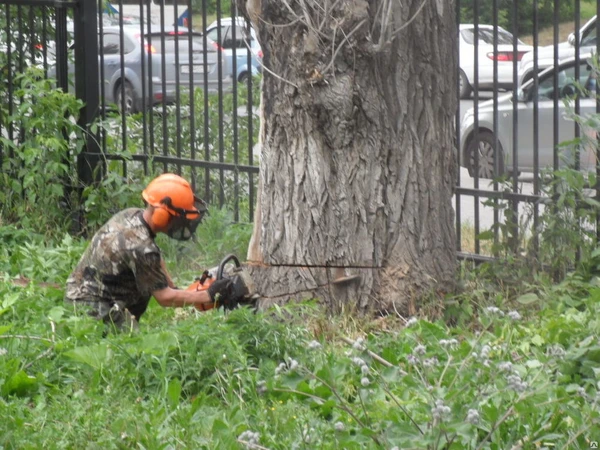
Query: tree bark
x=358, y=167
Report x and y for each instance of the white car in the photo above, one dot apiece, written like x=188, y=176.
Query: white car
x=222, y=32
x=487, y=54
x=587, y=43
x=489, y=148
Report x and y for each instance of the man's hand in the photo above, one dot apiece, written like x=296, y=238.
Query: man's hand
x=222, y=293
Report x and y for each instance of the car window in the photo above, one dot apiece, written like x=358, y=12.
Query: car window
x=240, y=38
x=589, y=37
x=567, y=84
x=111, y=44
x=486, y=36
x=214, y=34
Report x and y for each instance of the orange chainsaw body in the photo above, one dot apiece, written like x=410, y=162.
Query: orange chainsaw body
x=202, y=284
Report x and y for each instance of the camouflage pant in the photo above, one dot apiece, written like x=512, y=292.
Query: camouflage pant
x=116, y=317
x=120, y=319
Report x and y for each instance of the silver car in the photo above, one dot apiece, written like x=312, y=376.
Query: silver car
x=143, y=70
x=480, y=149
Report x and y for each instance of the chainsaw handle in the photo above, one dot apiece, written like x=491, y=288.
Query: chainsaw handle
x=224, y=261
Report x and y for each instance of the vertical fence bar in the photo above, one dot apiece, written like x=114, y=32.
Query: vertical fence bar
x=206, y=130
x=497, y=155
x=457, y=195
x=536, y=127
x=190, y=25
x=220, y=107
x=234, y=115
x=86, y=68
x=514, y=218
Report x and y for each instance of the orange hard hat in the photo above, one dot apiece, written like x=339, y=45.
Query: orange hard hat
x=173, y=193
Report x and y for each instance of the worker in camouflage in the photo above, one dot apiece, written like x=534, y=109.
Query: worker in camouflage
x=122, y=268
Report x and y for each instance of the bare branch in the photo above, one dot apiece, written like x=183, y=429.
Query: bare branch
x=409, y=20
x=342, y=44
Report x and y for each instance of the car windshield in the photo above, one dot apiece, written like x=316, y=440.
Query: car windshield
x=486, y=36
x=567, y=84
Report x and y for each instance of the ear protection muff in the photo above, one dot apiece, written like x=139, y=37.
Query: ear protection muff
x=161, y=217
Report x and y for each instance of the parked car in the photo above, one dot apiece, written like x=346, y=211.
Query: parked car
x=167, y=65
x=587, y=43
x=504, y=54
x=489, y=144
x=222, y=32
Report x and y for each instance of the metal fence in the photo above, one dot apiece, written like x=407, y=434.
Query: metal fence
x=201, y=119
x=532, y=125
x=168, y=97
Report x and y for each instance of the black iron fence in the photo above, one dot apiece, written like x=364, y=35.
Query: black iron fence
x=169, y=86
x=528, y=97
x=165, y=90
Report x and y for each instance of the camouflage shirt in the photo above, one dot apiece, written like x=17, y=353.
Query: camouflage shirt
x=122, y=266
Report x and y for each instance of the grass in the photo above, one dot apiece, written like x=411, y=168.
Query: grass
x=197, y=21
x=546, y=35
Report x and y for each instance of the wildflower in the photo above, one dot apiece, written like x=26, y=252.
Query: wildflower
x=339, y=426
x=124, y=435
x=261, y=387
x=514, y=315
x=440, y=409
x=250, y=438
x=293, y=364
x=364, y=370
x=555, y=350
x=420, y=349
x=312, y=345
x=430, y=362
x=359, y=344
x=3, y=351
x=412, y=359
x=494, y=310
x=485, y=351
x=365, y=381
x=358, y=361
x=515, y=382
x=505, y=366
x=448, y=342
x=410, y=322
x=473, y=416
x=282, y=367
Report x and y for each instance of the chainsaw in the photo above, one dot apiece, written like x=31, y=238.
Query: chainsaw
x=243, y=286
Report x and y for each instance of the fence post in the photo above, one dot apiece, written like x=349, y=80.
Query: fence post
x=89, y=162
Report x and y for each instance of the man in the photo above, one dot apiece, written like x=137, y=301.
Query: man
x=122, y=268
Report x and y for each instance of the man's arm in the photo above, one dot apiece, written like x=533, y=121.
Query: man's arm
x=220, y=290
x=175, y=298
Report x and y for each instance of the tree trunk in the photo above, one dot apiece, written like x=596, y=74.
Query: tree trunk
x=358, y=106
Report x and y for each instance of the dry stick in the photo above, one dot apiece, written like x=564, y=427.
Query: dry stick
x=506, y=415
x=397, y=402
x=316, y=397
x=575, y=436
x=375, y=356
x=21, y=336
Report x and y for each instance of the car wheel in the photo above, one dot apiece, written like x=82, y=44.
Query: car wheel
x=485, y=148
x=465, y=88
x=243, y=78
x=127, y=92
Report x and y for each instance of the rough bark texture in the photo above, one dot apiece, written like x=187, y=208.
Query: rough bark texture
x=357, y=134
